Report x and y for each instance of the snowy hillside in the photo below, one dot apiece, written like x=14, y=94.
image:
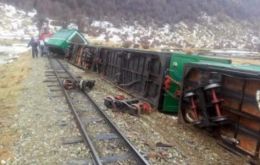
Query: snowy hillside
x=16, y=24
x=158, y=24
x=208, y=33
x=16, y=28
x=205, y=24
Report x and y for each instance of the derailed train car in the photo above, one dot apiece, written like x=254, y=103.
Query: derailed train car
x=138, y=72
x=208, y=93
x=225, y=99
x=152, y=76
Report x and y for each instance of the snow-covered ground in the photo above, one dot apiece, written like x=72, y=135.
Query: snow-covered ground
x=9, y=53
x=208, y=32
x=235, y=53
x=16, y=24
x=16, y=28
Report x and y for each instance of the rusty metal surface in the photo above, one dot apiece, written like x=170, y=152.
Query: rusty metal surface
x=139, y=72
x=240, y=132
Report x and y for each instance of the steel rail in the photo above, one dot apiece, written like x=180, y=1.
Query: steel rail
x=80, y=125
x=142, y=160
x=139, y=158
x=134, y=151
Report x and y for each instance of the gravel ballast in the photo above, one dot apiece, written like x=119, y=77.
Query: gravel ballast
x=43, y=122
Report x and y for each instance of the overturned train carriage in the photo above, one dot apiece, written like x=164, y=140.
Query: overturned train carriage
x=208, y=93
x=138, y=72
x=224, y=99
x=60, y=41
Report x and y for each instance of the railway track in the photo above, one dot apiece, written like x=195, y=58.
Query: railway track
x=99, y=134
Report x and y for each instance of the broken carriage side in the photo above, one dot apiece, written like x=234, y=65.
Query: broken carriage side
x=139, y=72
x=222, y=99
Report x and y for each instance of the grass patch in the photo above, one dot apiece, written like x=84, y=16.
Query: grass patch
x=11, y=86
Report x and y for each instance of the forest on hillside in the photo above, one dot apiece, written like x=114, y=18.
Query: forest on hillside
x=143, y=11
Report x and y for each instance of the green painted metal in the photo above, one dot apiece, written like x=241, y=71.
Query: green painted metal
x=178, y=60
x=62, y=38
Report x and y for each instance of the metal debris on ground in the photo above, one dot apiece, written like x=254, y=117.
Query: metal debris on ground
x=81, y=84
x=131, y=106
x=160, y=144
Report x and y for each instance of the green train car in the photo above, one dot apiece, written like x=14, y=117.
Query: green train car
x=59, y=43
x=175, y=74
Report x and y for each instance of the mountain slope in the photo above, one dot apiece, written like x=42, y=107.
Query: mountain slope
x=203, y=23
x=163, y=11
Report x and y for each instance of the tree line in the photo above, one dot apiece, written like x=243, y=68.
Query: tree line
x=143, y=11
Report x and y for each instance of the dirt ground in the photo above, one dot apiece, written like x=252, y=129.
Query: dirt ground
x=11, y=77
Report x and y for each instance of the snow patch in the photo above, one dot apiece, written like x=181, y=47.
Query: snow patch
x=32, y=13
x=9, y=53
x=15, y=24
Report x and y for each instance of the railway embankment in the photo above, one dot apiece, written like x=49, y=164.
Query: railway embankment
x=36, y=123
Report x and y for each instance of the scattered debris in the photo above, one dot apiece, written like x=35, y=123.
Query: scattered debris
x=132, y=106
x=160, y=144
x=81, y=84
